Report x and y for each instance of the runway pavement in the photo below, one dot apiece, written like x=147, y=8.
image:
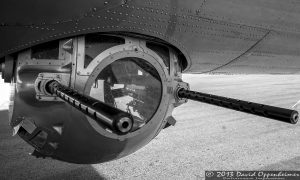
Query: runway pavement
x=205, y=138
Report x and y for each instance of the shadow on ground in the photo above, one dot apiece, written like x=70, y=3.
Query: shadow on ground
x=16, y=163
x=290, y=164
x=86, y=172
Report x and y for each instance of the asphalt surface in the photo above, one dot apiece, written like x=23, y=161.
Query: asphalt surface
x=205, y=138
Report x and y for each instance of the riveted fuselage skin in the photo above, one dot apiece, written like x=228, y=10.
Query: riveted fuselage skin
x=232, y=36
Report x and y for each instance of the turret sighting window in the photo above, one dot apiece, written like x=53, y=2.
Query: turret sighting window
x=131, y=85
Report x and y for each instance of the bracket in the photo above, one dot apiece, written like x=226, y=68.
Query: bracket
x=43, y=79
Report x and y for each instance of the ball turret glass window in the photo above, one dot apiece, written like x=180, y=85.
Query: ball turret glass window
x=132, y=85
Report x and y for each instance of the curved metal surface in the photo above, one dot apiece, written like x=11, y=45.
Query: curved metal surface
x=8, y=69
x=106, y=145
x=137, y=139
x=58, y=130
x=67, y=128
x=210, y=33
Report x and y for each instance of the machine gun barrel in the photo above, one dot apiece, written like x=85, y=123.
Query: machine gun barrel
x=281, y=114
x=115, y=119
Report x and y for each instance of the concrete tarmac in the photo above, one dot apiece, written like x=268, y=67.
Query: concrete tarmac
x=205, y=137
